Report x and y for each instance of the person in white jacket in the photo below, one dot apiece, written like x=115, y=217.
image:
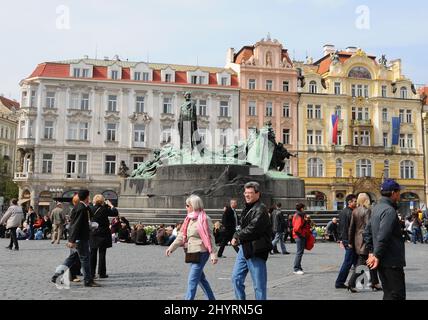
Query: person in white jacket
x=13, y=218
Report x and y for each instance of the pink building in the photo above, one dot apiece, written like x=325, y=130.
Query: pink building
x=268, y=83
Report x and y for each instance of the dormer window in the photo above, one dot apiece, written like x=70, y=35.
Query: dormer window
x=137, y=76
x=81, y=70
x=403, y=93
x=168, y=77
x=115, y=75
x=76, y=73
x=312, y=87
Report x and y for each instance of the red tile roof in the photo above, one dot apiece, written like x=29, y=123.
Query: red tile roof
x=9, y=103
x=325, y=62
x=244, y=54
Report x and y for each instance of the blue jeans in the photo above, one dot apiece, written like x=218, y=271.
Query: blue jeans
x=350, y=259
x=82, y=250
x=197, y=277
x=279, y=237
x=31, y=236
x=301, y=243
x=258, y=271
x=417, y=235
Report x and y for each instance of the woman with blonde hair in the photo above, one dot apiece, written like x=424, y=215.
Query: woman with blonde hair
x=196, y=235
x=360, y=218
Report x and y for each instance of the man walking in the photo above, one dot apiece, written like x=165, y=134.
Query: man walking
x=350, y=256
x=230, y=224
x=254, y=239
x=13, y=218
x=58, y=221
x=278, y=228
x=385, y=241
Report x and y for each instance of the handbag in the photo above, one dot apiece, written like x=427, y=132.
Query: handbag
x=194, y=257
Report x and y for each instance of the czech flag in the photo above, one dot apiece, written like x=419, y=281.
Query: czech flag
x=335, y=121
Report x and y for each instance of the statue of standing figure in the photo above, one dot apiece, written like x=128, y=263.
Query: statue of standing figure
x=187, y=124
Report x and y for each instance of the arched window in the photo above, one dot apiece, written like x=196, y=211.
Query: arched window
x=339, y=168
x=386, y=169
x=403, y=93
x=360, y=73
x=407, y=169
x=313, y=87
x=364, y=168
x=315, y=167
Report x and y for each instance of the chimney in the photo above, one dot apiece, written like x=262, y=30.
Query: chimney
x=351, y=49
x=106, y=58
x=85, y=57
x=329, y=48
x=230, y=56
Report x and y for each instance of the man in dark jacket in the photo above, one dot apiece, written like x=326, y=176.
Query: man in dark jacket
x=278, y=228
x=384, y=239
x=254, y=239
x=78, y=239
x=230, y=223
x=350, y=256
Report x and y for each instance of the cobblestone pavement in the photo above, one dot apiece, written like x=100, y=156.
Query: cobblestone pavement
x=145, y=273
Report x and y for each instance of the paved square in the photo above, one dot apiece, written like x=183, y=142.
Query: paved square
x=145, y=273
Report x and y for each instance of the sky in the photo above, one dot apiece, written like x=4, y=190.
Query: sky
x=199, y=32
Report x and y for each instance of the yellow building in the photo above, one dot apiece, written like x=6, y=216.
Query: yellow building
x=365, y=94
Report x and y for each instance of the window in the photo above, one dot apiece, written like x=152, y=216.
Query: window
x=223, y=137
x=365, y=138
x=84, y=131
x=338, y=112
x=339, y=138
x=252, y=108
x=50, y=100
x=194, y=80
x=84, y=104
x=33, y=99
x=224, y=81
x=317, y=112
x=202, y=135
x=409, y=116
x=203, y=108
x=167, y=105
x=137, y=76
x=407, y=169
x=47, y=163
x=401, y=115
x=110, y=165
x=403, y=93
x=138, y=160
x=269, y=85
x=168, y=77
x=286, y=136
x=385, y=139
x=385, y=115
x=111, y=131
x=252, y=84
x=71, y=165
x=384, y=94
x=166, y=134
x=315, y=167
x=112, y=103
x=337, y=88
x=139, y=135
x=285, y=86
x=386, y=169
x=286, y=110
x=30, y=129
x=76, y=73
x=359, y=90
x=402, y=141
x=364, y=168
x=139, y=108
x=313, y=87
x=339, y=168
x=318, y=137
x=366, y=91
x=310, y=137
x=310, y=111
x=24, y=99
x=114, y=75
x=146, y=76
x=74, y=101
x=287, y=166
x=85, y=73
x=49, y=130
x=22, y=127
x=410, y=141
x=82, y=166
x=72, y=130
x=360, y=114
x=269, y=109
x=224, y=108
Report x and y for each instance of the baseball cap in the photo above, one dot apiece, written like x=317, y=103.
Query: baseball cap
x=390, y=185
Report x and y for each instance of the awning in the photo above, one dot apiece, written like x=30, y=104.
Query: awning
x=43, y=203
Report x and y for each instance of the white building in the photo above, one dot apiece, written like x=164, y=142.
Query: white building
x=79, y=119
